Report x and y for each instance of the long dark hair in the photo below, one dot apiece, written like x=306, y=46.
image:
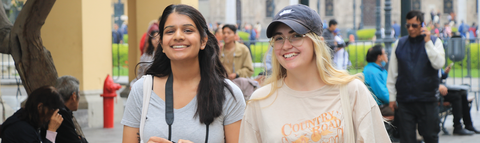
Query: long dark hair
x=151, y=48
x=211, y=89
x=50, y=99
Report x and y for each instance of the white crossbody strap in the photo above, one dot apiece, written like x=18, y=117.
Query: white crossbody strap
x=147, y=92
x=349, y=135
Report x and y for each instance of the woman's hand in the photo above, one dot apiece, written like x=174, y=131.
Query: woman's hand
x=55, y=121
x=158, y=140
x=184, y=141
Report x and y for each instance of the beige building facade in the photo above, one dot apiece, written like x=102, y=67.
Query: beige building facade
x=79, y=36
x=253, y=11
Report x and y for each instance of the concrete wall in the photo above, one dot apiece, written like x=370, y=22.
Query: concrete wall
x=78, y=34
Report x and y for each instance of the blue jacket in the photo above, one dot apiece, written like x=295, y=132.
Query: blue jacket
x=376, y=79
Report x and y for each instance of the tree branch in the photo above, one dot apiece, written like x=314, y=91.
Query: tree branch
x=33, y=62
x=5, y=27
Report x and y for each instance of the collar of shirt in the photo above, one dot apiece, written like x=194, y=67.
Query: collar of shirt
x=376, y=65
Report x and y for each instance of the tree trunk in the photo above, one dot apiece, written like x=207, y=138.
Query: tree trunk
x=22, y=40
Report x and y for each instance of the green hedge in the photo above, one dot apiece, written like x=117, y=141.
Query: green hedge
x=357, y=54
x=366, y=34
x=474, y=54
x=454, y=29
x=243, y=35
x=123, y=55
x=125, y=38
x=258, y=51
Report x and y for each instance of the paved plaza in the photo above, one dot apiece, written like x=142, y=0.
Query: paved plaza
x=114, y=135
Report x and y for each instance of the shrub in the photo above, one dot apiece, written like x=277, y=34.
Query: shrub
x=357, y=54
x=122, y=57
x=366, y=34
x=125, y=38
x=243, y=35
x=259, y=50
x=454, y=29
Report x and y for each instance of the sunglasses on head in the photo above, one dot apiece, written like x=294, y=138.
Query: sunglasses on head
x=413, y=25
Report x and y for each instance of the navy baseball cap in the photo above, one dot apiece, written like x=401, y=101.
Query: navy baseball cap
x=300, y=18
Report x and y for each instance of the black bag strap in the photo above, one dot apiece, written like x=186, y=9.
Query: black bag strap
x=169, y=107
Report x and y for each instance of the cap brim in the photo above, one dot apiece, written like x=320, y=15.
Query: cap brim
x=297, y=27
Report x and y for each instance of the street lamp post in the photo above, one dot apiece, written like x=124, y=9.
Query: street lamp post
x=388, y=27
x=361, y=16
x=406, y=7
x=354, y=15
x=378, y=34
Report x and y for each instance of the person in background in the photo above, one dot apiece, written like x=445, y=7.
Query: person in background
x=147, y=58
x=463, y=29
x=472, y=32
x=236, y=59
x=396, y=28
x=376, y=78
x=460, y=106
x=41, y=107
x=447, y=31
x=219, y=36
x=69, y=131
x=234, y=56
x=300, y=101
x=144, y=40
x=124, y=28
x=116, y=35
x=328, y=34
x=413, y=81
x=258, y=30
x=252, y=35
x=341, y=57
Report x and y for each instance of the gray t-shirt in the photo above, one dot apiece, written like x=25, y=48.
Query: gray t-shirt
x=185, y=125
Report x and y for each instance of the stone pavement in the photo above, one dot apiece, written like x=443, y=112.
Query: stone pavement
x=114, y=135
x=101, y=135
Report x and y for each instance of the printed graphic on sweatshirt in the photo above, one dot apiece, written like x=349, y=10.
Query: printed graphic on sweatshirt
x=326, y=128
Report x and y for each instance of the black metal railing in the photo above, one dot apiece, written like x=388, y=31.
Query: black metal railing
x=464, y=53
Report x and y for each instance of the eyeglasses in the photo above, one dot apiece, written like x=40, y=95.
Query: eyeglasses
x=413, y=25
x=295, y=40
x=153, y=33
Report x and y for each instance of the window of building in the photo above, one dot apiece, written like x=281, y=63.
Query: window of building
x=416, y=5
x=329, y=8
x=447, y=6
x=270, y=9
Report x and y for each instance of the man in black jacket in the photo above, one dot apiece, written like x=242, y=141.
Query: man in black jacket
x=69, y=131
x=413, y=81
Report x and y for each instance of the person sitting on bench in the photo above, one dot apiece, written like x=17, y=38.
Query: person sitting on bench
x=460, y=109
x=376, y=78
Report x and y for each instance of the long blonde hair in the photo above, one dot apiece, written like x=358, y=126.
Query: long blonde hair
x=323, y=59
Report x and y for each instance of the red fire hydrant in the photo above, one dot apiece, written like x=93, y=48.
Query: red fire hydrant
x=109, y=93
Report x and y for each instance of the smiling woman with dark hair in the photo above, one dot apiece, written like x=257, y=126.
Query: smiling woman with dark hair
x=189, y=85
x=41, y=107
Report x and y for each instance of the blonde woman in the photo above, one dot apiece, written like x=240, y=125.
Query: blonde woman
x=300, y=101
